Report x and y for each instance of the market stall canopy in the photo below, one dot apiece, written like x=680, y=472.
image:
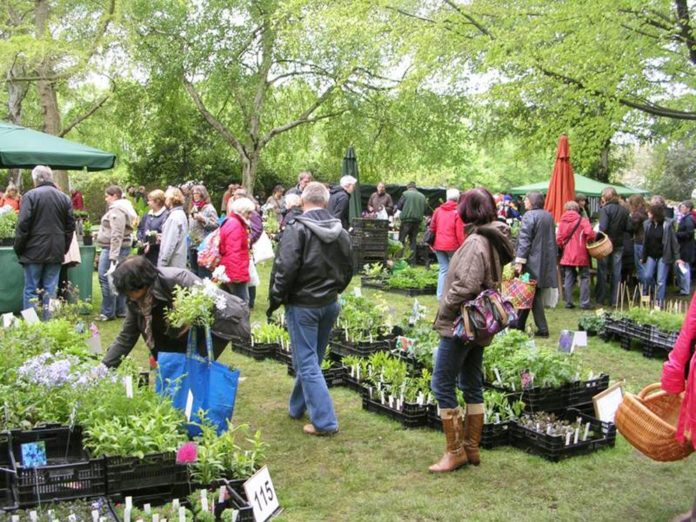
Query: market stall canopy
x=349, y=167
x=584, y=185
x=25, y=148
x=562, y=184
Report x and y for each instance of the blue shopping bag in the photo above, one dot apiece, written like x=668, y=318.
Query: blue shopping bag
x=212, y=385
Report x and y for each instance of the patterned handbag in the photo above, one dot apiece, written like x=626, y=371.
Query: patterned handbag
x=483, y=317
x=519, y=293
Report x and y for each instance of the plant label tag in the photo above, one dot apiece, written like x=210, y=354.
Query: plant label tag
x=580, y=339
x=527, y=379
x=221, y=494
x=175, y=504
x=497, y=376
x=182, y=514
x=32, y=516
x=357, y=292
x=95, y=515
x=127, y=513
x=30, y=316
x=565, y=341
x=129, y=502
x=147, y=508
x=128, y=383
x=94, y=344
x=15, y=518
x=189, y=405
x=261, y=493
x=155, y=517
x=53, y=306
x=72, y=517
x=8, y=320
x=34, y=454
x=204, y=500
x=587, y=431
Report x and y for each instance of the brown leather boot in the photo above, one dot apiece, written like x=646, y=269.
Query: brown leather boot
x=473, y=428
x=455, y=455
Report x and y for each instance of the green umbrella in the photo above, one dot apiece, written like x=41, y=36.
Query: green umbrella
x=25, y=148
x=350, y=168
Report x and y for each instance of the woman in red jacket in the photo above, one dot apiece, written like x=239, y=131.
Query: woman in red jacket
x=234, y=246
x=574, y=231
x=449, y=234
x=679, y=375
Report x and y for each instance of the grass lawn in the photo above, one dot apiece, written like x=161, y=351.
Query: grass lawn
x=376, y=470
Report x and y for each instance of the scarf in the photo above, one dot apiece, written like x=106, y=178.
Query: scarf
x=199, y=204
x=145, y=307
x=498, y=239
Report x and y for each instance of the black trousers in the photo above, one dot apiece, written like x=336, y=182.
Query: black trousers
x=409, y=229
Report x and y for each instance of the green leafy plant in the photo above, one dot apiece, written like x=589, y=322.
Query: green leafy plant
x=87, y=227
x=8, y=223
x=413, y=277
x=194, y=306
x=591, y=323
x=374, y=270
x=362, y=319
x=666, y=321
x=270, y=333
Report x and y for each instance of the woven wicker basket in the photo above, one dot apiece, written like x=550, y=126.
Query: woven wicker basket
x=600, y=248
x=649, y=422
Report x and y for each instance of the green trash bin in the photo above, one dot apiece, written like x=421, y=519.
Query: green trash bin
x=81, y=275
x=11, y=281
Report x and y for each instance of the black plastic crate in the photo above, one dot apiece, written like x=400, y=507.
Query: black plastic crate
x=156, y=471
x=344, y=348
x=664, y=340
x=257, y=351
x=332, y=376
x=413, y=292
x=653, y=351
x=581, y=392
x=351, y=382
x=7, y=497
x=493, y=435
x=372, y=282
x=553, y=448
x=370, y=224
x=69, y=473
x=410, y=416
x=537, y=399
x=637, y=331
x=284, y=356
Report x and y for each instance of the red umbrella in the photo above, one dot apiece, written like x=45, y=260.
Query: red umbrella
x=562, y=185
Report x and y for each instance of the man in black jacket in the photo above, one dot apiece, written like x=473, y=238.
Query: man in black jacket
x=44, y=232
x=614, y=222
x=312, y=266
x=339, y=200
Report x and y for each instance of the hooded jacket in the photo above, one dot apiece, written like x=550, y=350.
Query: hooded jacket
x=173, y=249
x=574, y=247
x=234, y=248
x=339, y=205
x=313, y=263
x=229, y=324
x=476, y=266
x=448, y=227
x=45, y=226
x=116, y=227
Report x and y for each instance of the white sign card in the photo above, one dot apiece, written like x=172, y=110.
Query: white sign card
x=607, y=402
x=580, y=340
x=357, y=291
x=8, y=320
x=94, y=344
x=261, y=494
x=30, y=315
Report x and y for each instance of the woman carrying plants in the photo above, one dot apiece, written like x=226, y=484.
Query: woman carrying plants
x=574, y=231
x=679, y=375
x=150, y=227
x=203, y=221
x=536, y=255
x=174, y=231
x=151, y=293
x=234, y=246
x=474, y=267
x=449, y=234
x=660, y=249
x=114, y=238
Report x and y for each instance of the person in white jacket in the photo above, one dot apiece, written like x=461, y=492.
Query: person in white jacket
x=173, y=249
x=115, y=238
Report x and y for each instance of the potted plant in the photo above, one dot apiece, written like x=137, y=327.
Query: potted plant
x=87, y=233
x=8, y=223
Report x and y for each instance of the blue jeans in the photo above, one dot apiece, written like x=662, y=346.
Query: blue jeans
x=309, y=330
x=112, y=304
x=443, y=259
x=683, y=279
x=609, y=274
x=40, y=279
x=457, y=362
x=652, y=264
x=637, y=255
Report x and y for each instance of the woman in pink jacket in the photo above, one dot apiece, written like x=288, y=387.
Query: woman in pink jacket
x=449, y=234
x=574, y=231
x=234, y=246
x=679, y=375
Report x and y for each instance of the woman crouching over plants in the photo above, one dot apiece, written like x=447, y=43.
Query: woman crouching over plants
x=151, y=295
x=474, y=267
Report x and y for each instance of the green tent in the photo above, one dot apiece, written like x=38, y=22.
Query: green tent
x=583, y=185
x=25, y=148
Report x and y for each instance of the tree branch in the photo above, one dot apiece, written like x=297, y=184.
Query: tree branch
x=470, y=19
x=212, y=120
x=684, y=23
x=95, y=107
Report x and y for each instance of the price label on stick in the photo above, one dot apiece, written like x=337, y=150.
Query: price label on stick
x=260, y=492
x=189, y=406
x=30, y=316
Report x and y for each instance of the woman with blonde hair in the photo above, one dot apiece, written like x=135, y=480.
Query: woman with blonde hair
x=174, y=232
x=11, y=198
x=234, y=246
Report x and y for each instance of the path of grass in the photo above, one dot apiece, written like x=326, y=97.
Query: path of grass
x=375, y=470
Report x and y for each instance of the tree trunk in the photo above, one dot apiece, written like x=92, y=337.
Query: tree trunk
x=250, y=165
x=46, y=89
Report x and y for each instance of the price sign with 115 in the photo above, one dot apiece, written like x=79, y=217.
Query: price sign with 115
x=261, y=495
